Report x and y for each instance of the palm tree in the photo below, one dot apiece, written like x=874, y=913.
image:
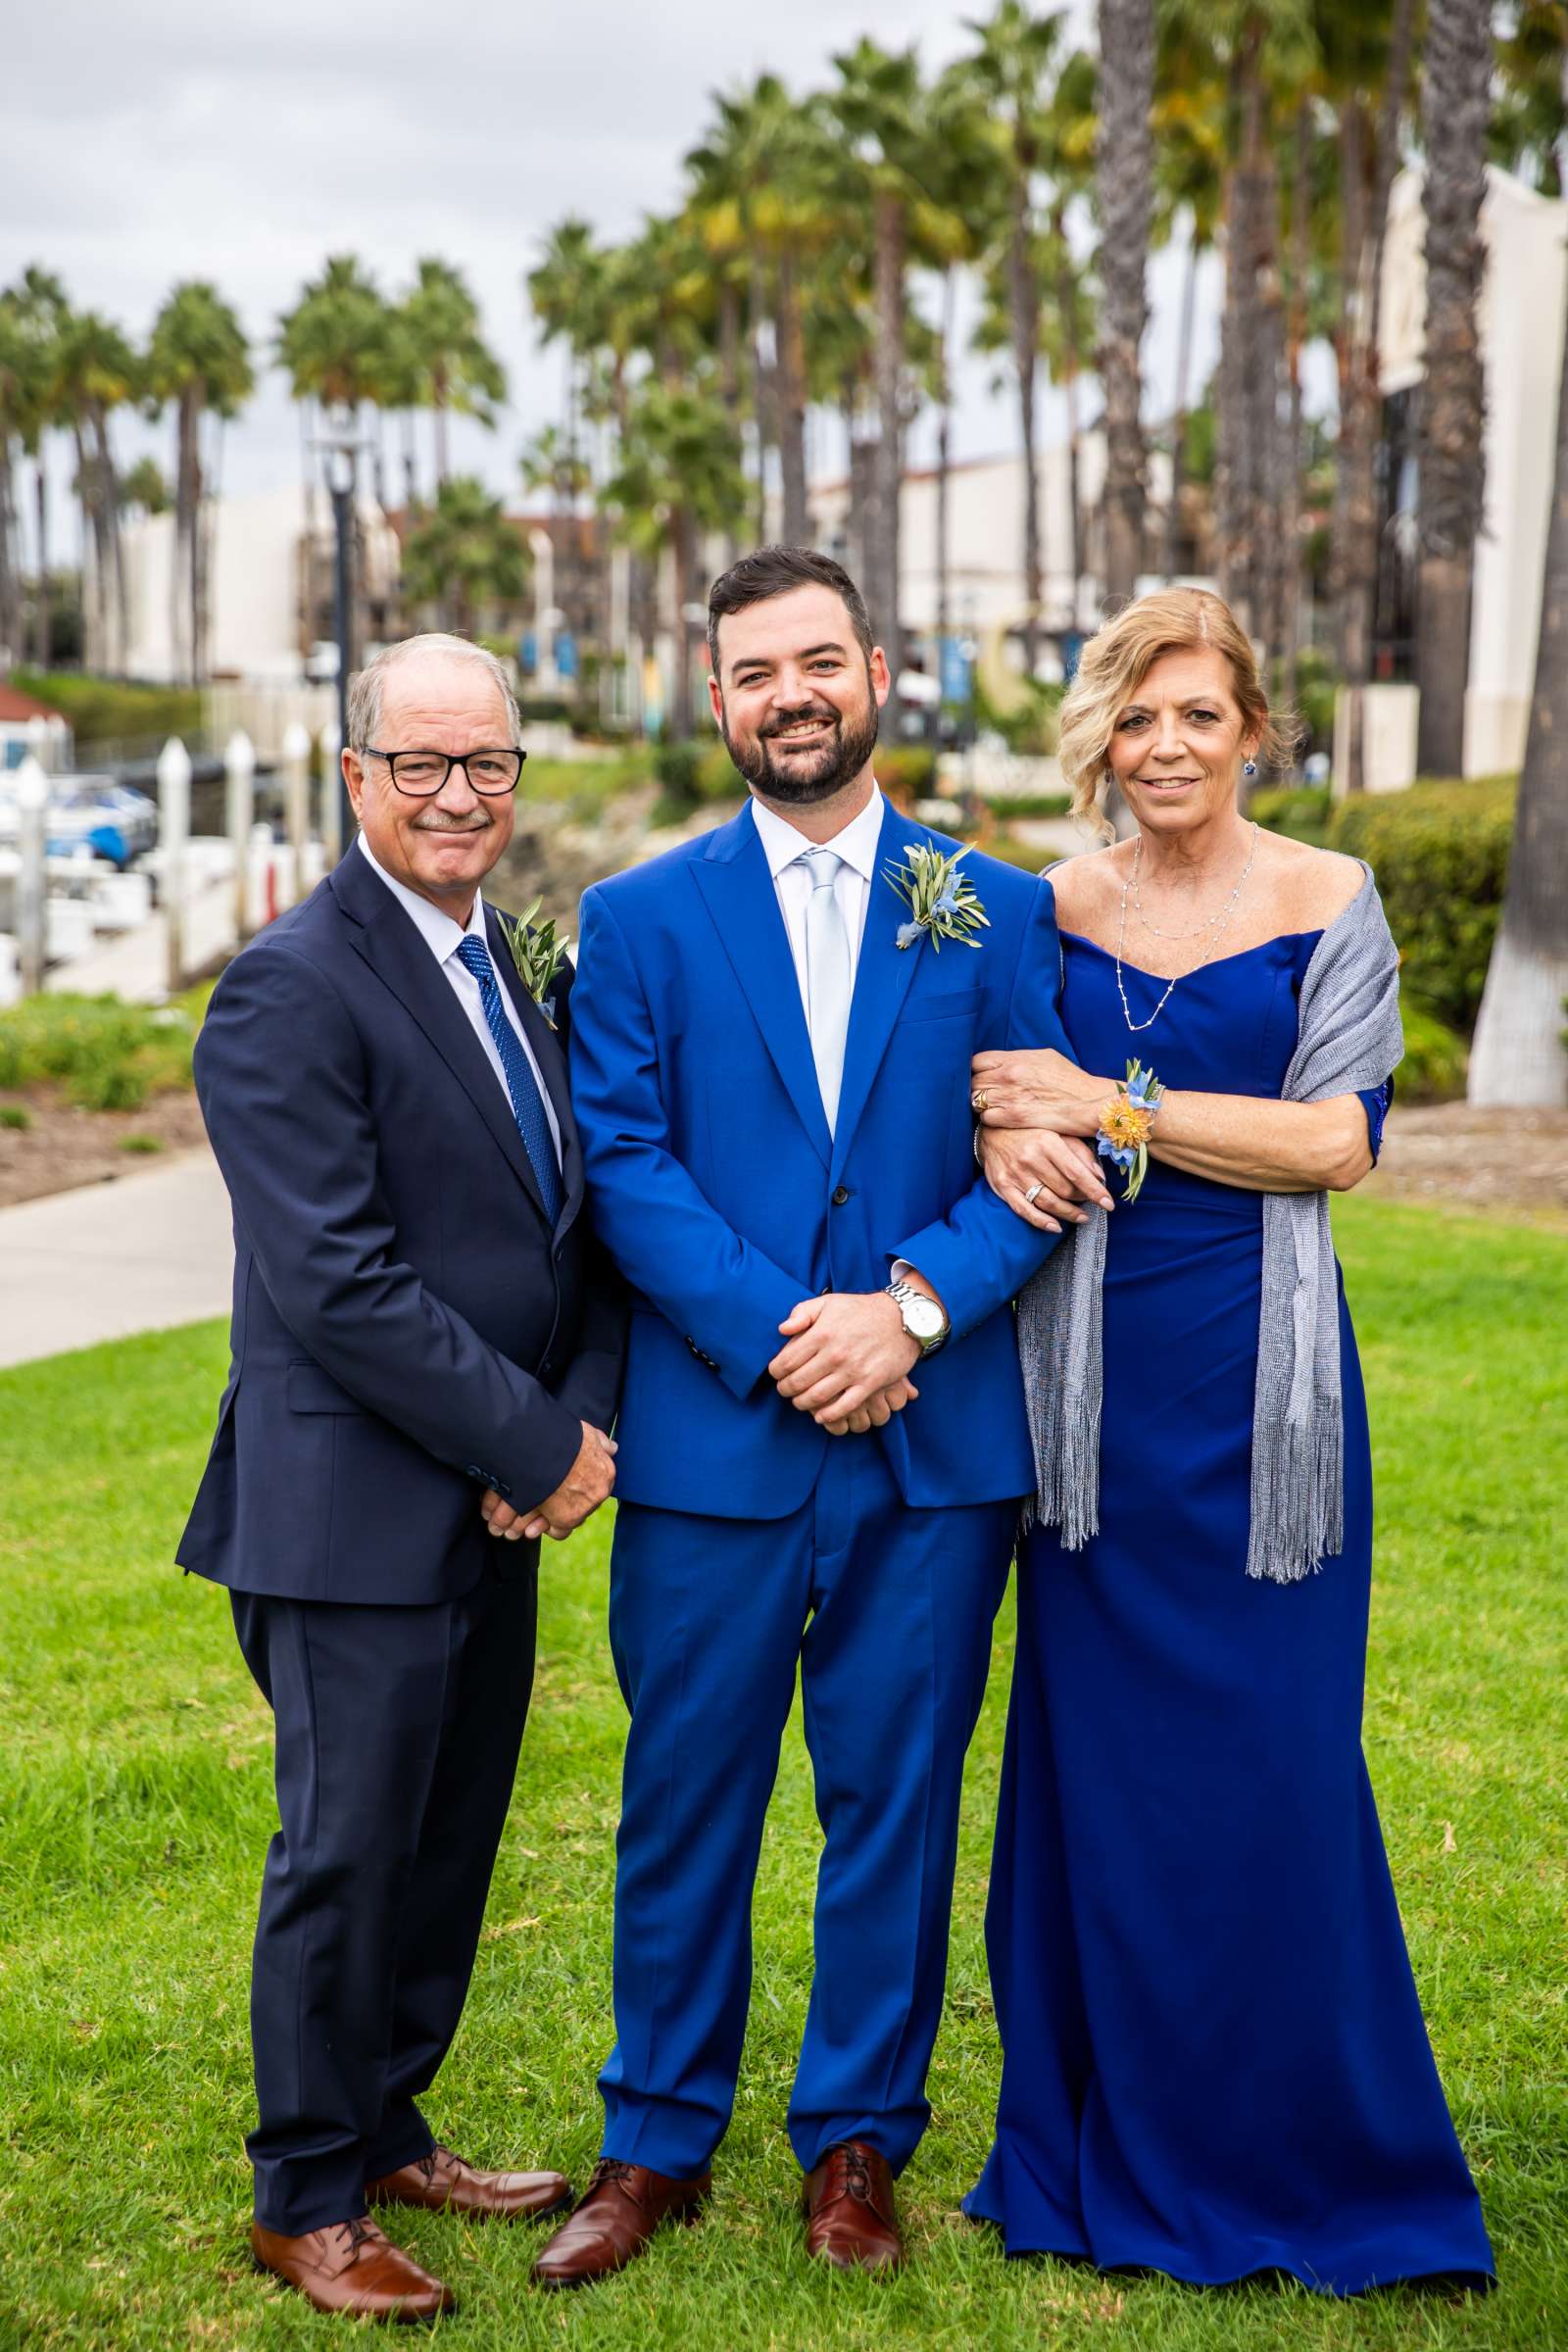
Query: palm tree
x=341, y=350
x=1013, y=71
x=464, y=554
x=454, y=365
x=1518, y=1056
x=678, y=478
x=16, y=362
x=99, y=371
x=199, y=363
x=880, y=110
x=40, y=310
x=1456, y=104
x=1125, y=190
x=1368, y=58
x=1189, y=197
x=143, y=490
x=764, y=198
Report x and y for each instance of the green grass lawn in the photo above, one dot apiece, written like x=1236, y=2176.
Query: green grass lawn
x=136, y=1798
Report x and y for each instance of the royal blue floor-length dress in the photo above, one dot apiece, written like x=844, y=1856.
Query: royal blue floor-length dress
x=1214, y=2059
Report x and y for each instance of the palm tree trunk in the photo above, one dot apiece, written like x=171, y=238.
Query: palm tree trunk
x=681, y=544
x=763, y=382
x=1360, y=425
x=950, y=286
x=10, y=612
x=1518, y=1056
x=888, y=457
x=729, y=379
x=1023, y=305
x=91, y=552
x=1290, y=518
x=1177, y=421
x=797, y=523
x=1456, y=105
x=1123, y=177
x=41, y=613
x=438, y=406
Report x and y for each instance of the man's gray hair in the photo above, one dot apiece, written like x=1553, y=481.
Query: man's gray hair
x=365, y=687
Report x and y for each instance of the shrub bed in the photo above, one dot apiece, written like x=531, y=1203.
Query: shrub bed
x=102, y=1054
x=1440, y=851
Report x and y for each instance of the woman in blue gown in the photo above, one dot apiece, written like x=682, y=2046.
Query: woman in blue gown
x=1215, y=2060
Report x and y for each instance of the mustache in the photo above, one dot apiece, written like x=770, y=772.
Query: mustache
x=793, y=718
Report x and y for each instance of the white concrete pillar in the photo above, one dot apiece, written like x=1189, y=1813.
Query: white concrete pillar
x=174, y=834
x=33, y=826
x=240, y=769
x=296, y=802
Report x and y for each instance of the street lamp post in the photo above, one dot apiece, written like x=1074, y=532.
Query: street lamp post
x=340, y=449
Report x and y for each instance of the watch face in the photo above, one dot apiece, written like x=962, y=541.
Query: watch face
x=923, y=1317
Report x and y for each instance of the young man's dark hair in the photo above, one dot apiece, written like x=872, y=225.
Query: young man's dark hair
x=773, y=571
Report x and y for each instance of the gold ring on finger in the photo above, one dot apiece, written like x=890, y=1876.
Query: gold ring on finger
x=979, y=1099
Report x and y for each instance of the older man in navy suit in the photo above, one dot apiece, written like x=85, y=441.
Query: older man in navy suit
x=426, y=1354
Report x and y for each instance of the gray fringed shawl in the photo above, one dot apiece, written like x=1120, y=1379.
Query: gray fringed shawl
x=1348, y=1040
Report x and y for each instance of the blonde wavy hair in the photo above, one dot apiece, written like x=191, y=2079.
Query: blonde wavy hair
x=1116, y=661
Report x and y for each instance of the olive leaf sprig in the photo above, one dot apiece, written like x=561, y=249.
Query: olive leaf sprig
x=536, y=950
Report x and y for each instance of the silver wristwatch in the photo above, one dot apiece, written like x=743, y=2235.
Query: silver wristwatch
x=923, y=1319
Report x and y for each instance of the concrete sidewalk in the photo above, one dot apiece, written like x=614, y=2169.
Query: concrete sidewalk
x=109, y=1259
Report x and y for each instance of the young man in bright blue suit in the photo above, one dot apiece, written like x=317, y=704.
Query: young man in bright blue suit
x=773, y=1098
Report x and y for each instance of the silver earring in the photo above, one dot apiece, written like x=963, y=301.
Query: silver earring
x=1248, y=767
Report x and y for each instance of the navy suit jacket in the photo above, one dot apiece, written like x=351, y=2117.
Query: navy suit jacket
x=724, y=1202
x=406, y=1327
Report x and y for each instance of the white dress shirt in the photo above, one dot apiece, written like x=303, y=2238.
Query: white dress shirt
x=857, y=845
x=443, y=937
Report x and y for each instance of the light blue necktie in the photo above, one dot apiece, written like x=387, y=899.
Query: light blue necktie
x=527, y=1103
x=829, y=980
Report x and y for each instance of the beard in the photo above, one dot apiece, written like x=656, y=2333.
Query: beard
x=804, y=779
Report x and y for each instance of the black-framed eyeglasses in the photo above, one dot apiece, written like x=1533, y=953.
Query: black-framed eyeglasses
x=422, y=774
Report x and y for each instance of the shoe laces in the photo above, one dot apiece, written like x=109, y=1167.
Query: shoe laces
x=357, y=2233
x=856, y=2174
x=617, y=2169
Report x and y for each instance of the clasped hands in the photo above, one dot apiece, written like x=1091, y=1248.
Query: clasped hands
x=846, y=1360
x=586, y=1485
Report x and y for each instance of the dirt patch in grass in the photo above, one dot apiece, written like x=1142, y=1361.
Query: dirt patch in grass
x=62, y=1146
x=1512, y=1162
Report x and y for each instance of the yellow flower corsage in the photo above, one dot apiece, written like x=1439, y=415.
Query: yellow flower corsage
x=1126, y=1124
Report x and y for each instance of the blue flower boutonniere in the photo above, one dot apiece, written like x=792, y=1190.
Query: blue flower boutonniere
x=939, y=896
x=536, y=952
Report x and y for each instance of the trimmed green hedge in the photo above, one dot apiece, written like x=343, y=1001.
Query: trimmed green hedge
x=104, y=1055
x=1440, y=851
x=107, y=710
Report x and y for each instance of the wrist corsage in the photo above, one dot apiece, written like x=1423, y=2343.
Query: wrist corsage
x=1126, y=1124
x=537, y=954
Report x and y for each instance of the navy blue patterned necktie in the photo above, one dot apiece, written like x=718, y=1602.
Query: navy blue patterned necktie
x=527, y=1102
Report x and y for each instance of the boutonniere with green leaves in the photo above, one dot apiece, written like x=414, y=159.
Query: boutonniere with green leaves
x=536, y=952
x=941, y=900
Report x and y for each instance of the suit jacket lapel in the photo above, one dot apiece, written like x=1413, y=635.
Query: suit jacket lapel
x=738, y=888
x=394, y=951
x=551, y=1061
x=882, y=979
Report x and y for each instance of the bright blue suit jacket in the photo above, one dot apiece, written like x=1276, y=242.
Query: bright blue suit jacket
x=723, y=1198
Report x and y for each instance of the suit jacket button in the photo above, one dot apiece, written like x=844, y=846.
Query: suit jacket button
x=841, y=1192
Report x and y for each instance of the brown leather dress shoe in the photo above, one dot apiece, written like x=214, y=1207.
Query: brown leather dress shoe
x=617, y=2213
x=850, y=2220
x=352, y=2267
x=443, y=2183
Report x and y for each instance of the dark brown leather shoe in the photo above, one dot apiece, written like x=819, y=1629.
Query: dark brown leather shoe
x=850, y=2220
x=617, y=2213
x=443, y=2183
x=353, y=2267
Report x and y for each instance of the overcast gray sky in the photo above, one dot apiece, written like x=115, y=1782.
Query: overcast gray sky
x=161, y=139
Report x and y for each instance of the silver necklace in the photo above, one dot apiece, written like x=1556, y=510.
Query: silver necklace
x=1216, y=926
